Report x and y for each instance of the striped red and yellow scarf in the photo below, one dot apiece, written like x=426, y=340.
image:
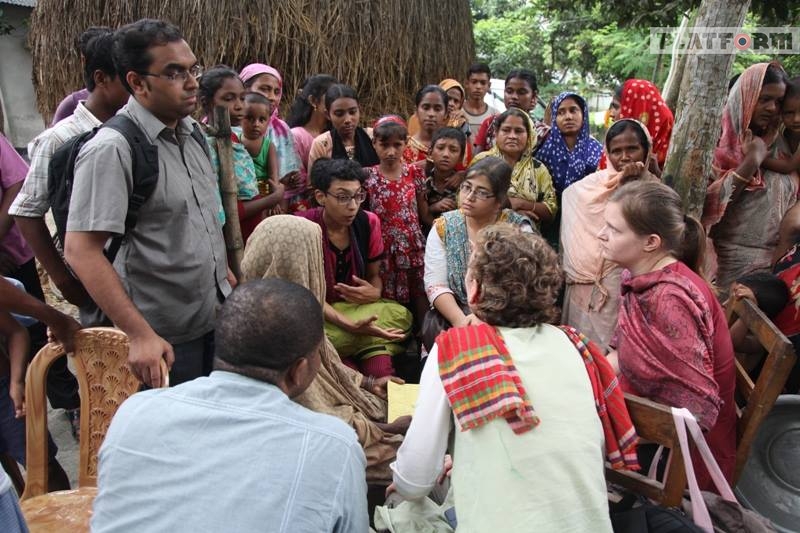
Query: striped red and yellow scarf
x=480, y=379
x=482, y=383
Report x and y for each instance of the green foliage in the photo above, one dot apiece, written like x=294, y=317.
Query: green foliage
x=5, y=27
x=509, y=42
x=792, y=65
x=619, y=53
x=629, y=13
x=744, y=59
x=589, y=43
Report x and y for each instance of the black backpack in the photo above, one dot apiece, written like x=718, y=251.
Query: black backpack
x=144, y=157
x=61, y=176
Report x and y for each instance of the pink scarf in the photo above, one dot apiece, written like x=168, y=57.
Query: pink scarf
x=666, y=341
x=257, y=69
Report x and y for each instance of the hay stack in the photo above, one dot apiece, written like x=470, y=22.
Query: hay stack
x=386, y=49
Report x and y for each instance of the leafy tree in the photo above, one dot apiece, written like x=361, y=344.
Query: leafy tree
x=509, y=42
x=5, y=27
x=589, y=42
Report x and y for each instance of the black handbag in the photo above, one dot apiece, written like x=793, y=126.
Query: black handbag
x=638, y=515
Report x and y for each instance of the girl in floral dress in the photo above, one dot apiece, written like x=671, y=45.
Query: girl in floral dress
x=396, y=193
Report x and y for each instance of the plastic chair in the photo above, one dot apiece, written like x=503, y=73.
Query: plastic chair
x=104, y=381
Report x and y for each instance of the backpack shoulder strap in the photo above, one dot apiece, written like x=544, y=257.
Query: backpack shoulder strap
x=60, y=177
x=144, y=171
x=197, y=135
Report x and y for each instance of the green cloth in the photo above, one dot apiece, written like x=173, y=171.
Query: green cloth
x=261, y=163
x=415, y=516
x=390, y=315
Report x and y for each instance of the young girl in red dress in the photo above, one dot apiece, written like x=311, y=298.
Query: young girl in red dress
x=431, y=110
x=396, y=193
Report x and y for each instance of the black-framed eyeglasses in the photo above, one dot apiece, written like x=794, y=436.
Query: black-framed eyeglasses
x=181, y=75
x=345, y=199
x=480, y=194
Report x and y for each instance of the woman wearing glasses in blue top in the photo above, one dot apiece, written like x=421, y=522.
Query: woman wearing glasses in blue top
x=365, y=329
x=481, y=198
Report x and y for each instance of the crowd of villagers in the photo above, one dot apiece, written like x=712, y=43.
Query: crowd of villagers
x=476, y=239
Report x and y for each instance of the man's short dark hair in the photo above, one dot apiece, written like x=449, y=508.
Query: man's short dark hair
x=98, y=55
x=90, y=33
x=268, y=324
x=479, y=68
x=133, y=41
x=324, y=171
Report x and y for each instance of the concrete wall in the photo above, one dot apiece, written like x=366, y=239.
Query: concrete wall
x=21, y=120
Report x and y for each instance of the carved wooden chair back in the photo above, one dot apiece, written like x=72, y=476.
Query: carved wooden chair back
x=104, y=381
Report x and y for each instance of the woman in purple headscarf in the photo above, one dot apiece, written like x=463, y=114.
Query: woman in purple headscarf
x=569, y=151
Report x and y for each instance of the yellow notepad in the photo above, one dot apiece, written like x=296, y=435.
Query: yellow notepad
x=402, y=399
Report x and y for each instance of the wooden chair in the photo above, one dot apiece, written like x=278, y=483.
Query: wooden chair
x=654, y=423
x=759, y=397
x=104, y=381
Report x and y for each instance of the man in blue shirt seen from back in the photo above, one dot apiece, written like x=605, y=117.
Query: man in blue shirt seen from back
x=232, y=451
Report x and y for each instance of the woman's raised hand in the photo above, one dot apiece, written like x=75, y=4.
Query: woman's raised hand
x=754, y=146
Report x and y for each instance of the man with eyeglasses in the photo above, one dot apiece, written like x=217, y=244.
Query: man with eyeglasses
x=365, y=329
x=170, y=274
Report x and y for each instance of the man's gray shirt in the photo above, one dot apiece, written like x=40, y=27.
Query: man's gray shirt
x=173, y=263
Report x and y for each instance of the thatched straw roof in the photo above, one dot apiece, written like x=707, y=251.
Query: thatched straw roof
x=386, y=49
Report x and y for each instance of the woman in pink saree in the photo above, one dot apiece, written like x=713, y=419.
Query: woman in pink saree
x=741, y=192
x=591, y=299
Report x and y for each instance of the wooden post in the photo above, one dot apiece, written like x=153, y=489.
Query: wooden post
x=699, y=111
x=232, y=231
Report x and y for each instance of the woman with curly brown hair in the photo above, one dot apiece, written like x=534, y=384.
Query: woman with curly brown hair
x=515, y=469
